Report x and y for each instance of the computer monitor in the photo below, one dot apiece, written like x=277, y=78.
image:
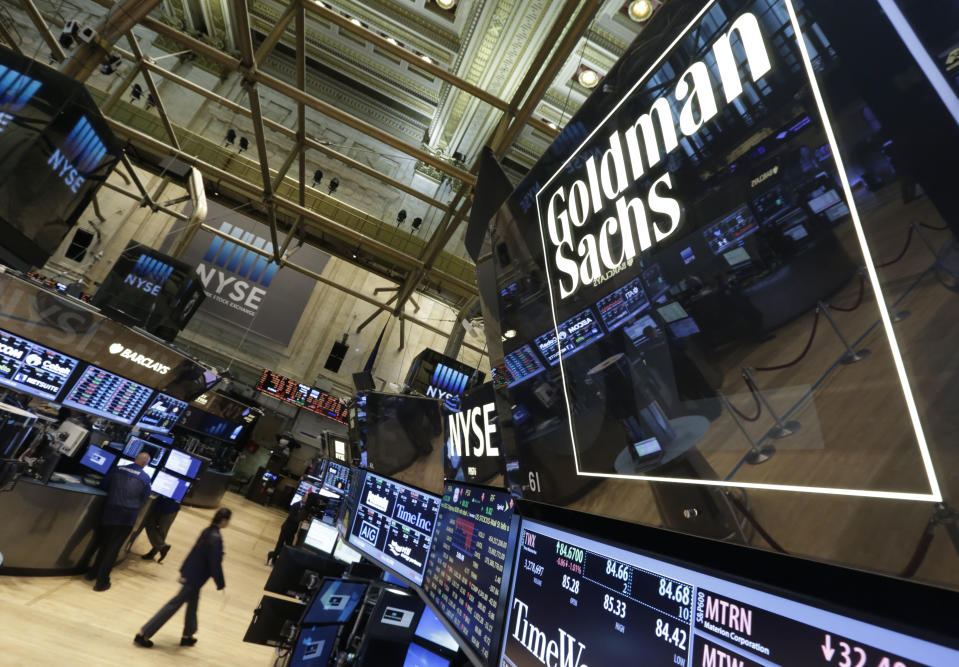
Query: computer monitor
x=431, y=629
x=684, y=328
x=167, y=485
x=337, y=479
x=161, y=413
x=182, y=463
x=97, y=459
x=394, y=616
x=390, y=578
x=136, y=445
x=308, y=484
x=314, y=645
x=671, y=312
x=269, y=620
x=420, y=656
x=637, y=330
x=334, y=602
x=737, y=256
x=345, y=553
x=296, y=572
x=321, y=536
x=473, y=541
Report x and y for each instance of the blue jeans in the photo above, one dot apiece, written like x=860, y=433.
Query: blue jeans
x=188, y=596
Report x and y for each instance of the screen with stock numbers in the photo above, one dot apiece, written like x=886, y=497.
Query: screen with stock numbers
x=580, y=601
x=468, y=563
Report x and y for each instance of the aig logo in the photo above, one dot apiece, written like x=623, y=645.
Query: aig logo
x=369, y=532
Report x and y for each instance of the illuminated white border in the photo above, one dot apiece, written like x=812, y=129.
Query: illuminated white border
x=935, y=494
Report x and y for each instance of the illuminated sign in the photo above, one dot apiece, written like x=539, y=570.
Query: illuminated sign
x=16, y=90
x=446, y=382
x=236, y=275
x=79, y=156
x=148, y=274
x=585, y=246
x=138, y=359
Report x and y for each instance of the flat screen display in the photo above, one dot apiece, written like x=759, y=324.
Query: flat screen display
x=465, y=577
x=393, y=524
x=98, y=459
x=303, y=396
x=136, y=445
x=619, y=305
x=574, y=334
x=522, y=364
x=672, y=312
x=337, y=478
x=334, y=602
x=431, y=629
x=162, y=414
x=308, y=484
x=167, y=485
x=314, y=645
x=599, y=604
x=31, y=368
x=182, y=463
x=420, y=656
x=321, y=536
x=736, y=256
x=730, y=229
x=345, y=553
x=637, y=330
x=104, y=394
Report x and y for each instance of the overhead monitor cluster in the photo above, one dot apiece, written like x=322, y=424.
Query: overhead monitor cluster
x=303, y=396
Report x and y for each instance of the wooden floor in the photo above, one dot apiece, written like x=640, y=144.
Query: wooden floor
x=60, y=620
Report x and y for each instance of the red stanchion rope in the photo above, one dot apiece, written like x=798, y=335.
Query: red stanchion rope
x=902, y=253
x=755, y=523
x=812, y=335
x=759, y=407
x=862, y=292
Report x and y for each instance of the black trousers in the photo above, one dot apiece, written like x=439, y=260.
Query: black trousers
x=287, y=536
x=109, y=543
x=187, y=596
x=157, y=527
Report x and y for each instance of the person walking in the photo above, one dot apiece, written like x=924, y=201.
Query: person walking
x=204, y=561
x=157, y=526
x=127, y=487
x=290, y=528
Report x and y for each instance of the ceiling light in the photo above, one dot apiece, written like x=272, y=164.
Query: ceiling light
x=587, y=78
x=446, y=4
x=640, y=10
x=391, y=41
x=509, y=333
x=356, y=21
x=551, y=125
x=426, y=59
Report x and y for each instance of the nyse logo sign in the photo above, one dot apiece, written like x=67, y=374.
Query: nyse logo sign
x=234, y=275
x=79, y=156
x=149, y=274
x=446, y=382
x=369, y=532
x=16, y=90
x=478, y=423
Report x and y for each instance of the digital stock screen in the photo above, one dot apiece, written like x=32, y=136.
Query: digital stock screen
x=580, y=601
x=172, y=487
x=337, y=478
x=468, y=563
x=393, y=524
x=303, y=396
x=182, y=463
x=522, y=364
x=574, y=334
x=31, y=368
x=621, y=304
x=161, y=414
x=104, y=394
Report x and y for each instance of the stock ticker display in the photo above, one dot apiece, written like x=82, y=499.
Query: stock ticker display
x=32, y=368
x=162, y=414
x=104, y=394
x=337, y=478
x=394, y=524
x=578, y=601
x=465, y=576
x=303, y=396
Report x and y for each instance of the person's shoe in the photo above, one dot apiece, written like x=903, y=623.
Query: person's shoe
x=164, y=550
x=102, y=587
x=150, y=554
x=188, y=641
x=140, y=640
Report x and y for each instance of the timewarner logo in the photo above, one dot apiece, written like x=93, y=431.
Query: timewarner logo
x=568, y=650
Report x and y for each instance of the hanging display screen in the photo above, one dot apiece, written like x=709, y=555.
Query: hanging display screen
x=522, y=364
x=619, y=305
x=393, y=524
x=303, y=396
x=468, y=563
x=574, y=334
x=31, y=368
x=582, y=601
x=162, y=414
x=104, y=394
x=337, y=478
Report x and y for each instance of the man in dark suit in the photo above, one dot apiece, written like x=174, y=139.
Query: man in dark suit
x=127, y=487
x=204, y=561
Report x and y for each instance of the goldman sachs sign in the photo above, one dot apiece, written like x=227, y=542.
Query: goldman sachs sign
x=613, y=200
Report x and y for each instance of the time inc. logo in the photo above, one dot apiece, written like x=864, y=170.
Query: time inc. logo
x=148, y=274
x=80, y=155
x=446, y=382
x=252, y=272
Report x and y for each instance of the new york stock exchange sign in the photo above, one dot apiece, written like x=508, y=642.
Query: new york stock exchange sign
x=595, y=216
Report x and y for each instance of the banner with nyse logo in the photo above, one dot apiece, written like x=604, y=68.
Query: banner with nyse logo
x=471, y=431
x=244, y=287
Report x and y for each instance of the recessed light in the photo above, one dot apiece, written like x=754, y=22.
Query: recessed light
x=640, y=10
x=587, y=78
x=509, y=333
x=551, y=125
x=426, y=59
x=356, y=22
x=446, y=4
x=392, y=41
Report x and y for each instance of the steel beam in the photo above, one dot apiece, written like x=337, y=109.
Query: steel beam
x=41, y=24
x=276, y=34
x=151, y=84
x=119, y=20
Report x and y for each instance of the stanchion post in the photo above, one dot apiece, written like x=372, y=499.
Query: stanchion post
x=756, y=454
x=782, y=429
x=851, y=355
